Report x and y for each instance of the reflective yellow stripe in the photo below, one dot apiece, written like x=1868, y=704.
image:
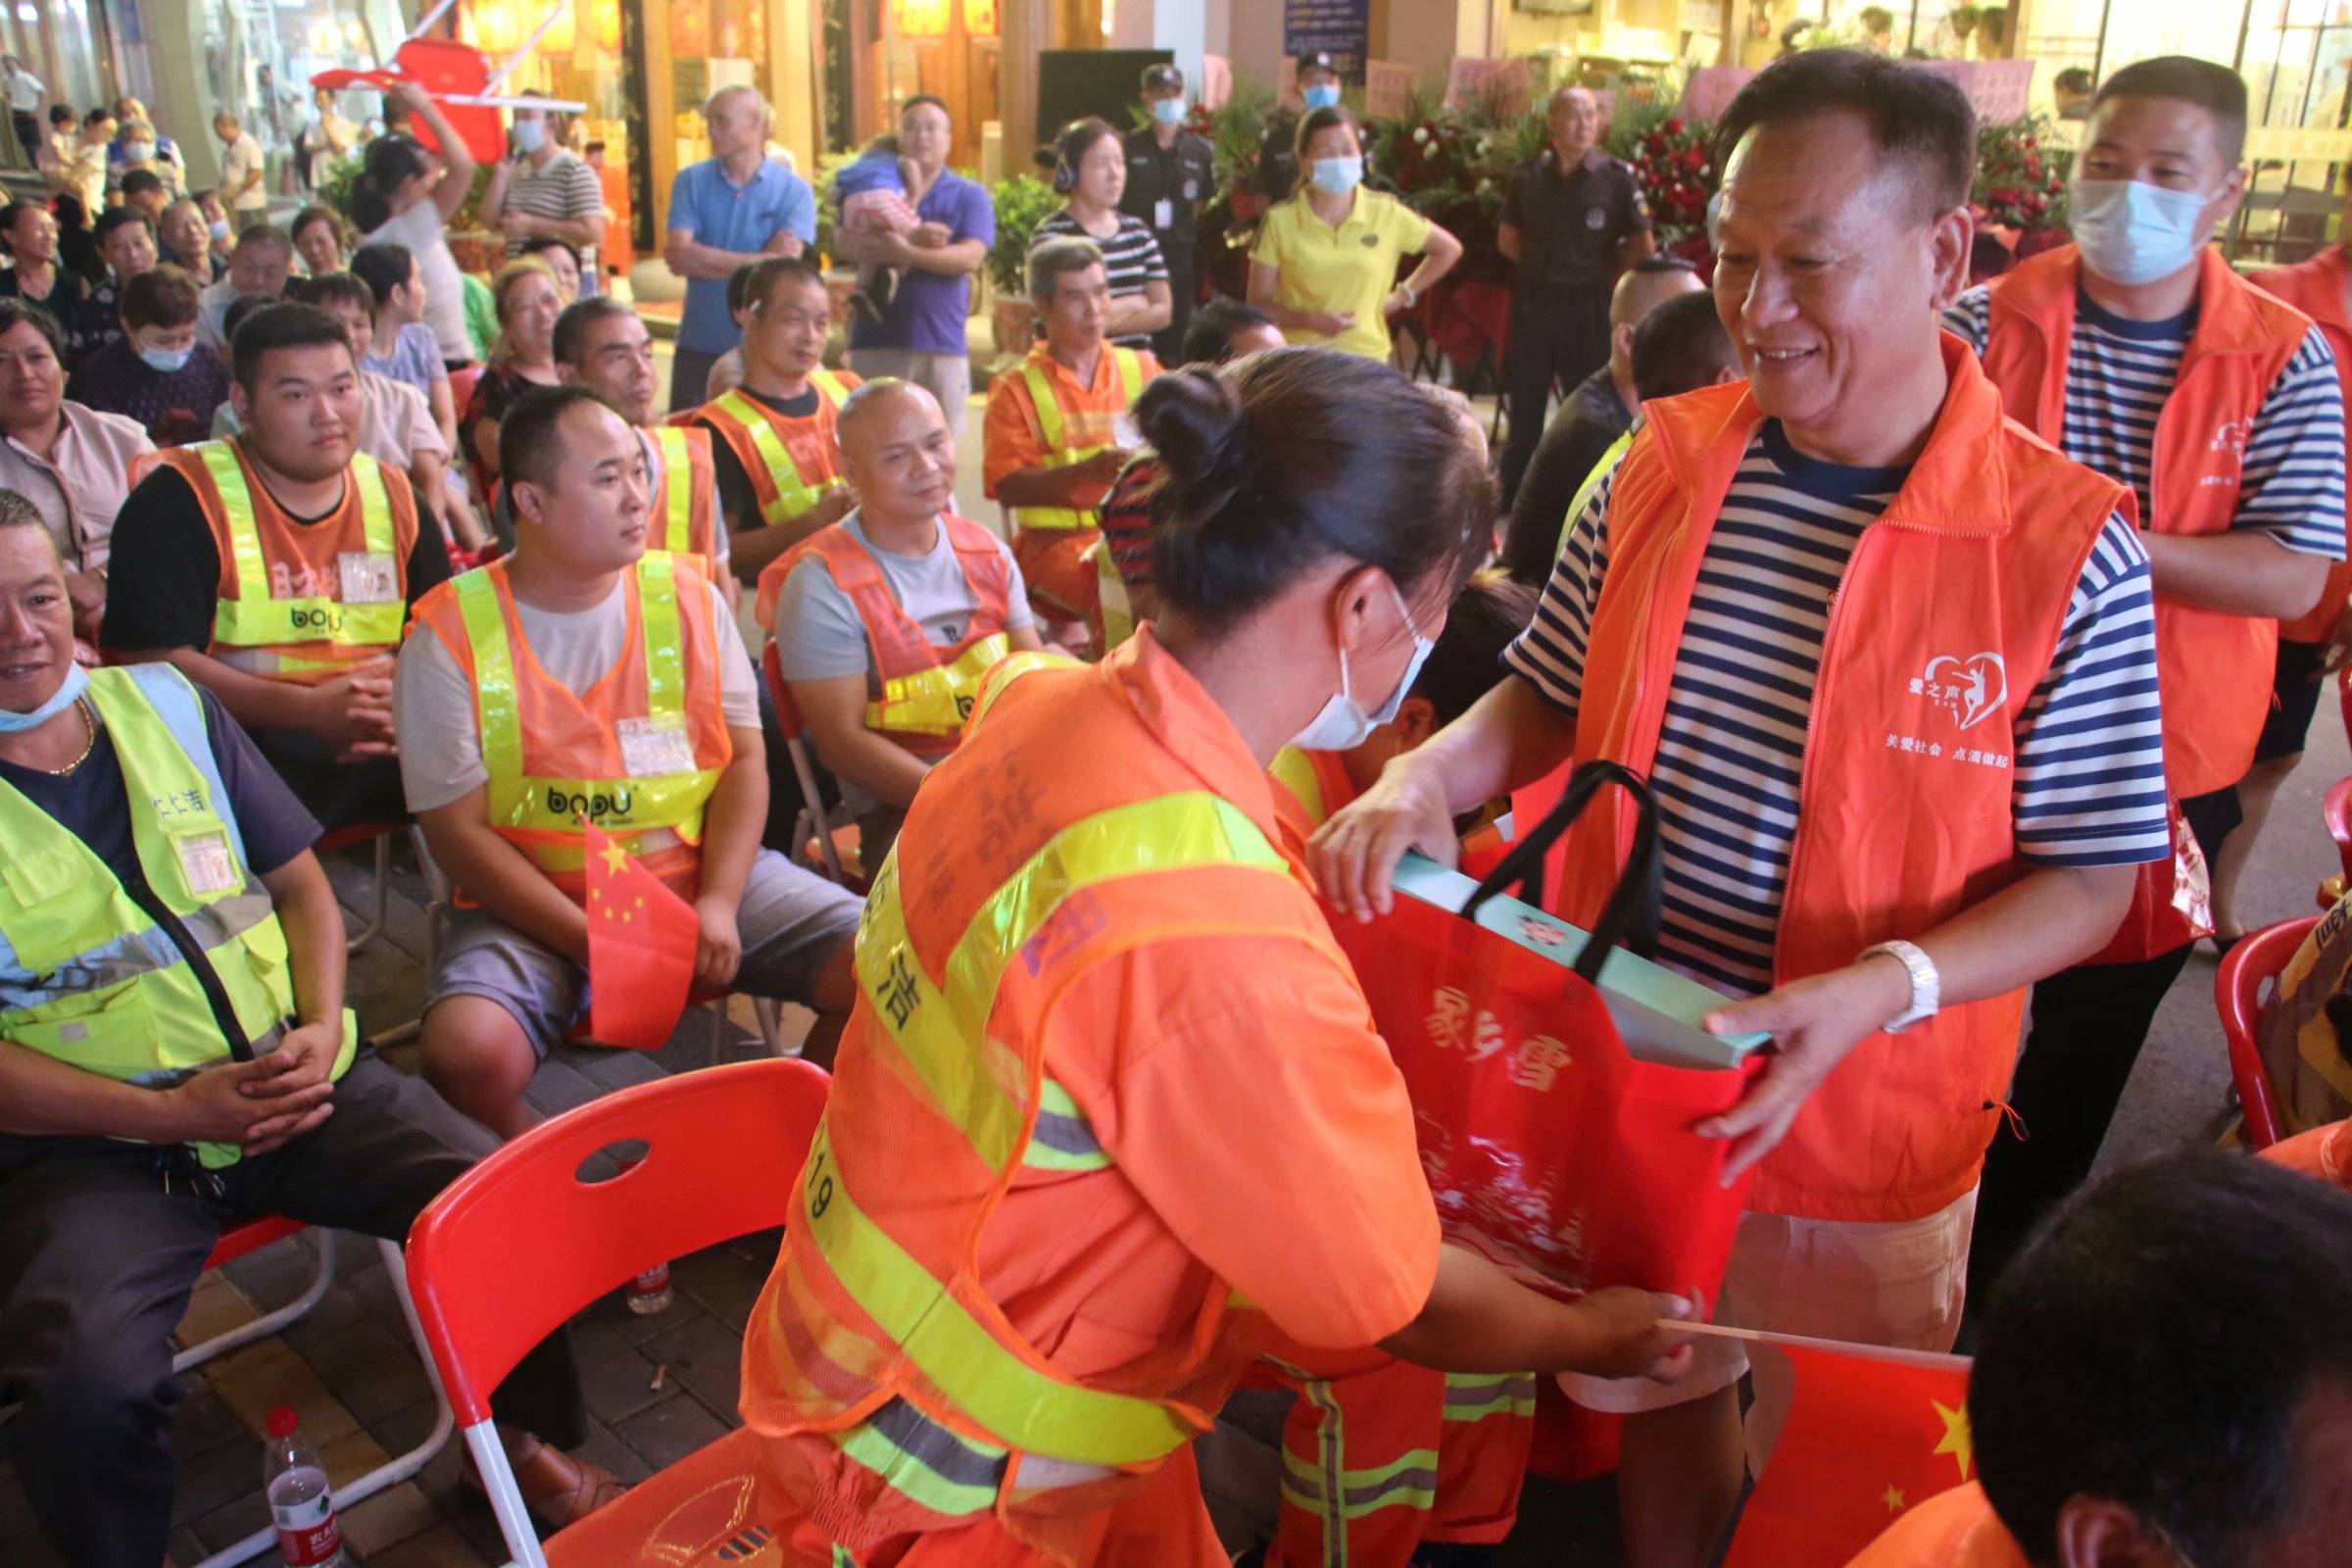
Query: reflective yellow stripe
x=1051, y=429
x=1408, y=1482
x=936, y=701
x=254, y=618
x=1472, y=1397
x=1026, y=1407
x=1295, y=771
x=677, y=482
x=1011, y=669
x=795, y=495
x=1118, y=608
x=1593, y=482
x=944, y=1471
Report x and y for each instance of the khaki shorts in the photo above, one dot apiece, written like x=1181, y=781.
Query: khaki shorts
x=1900, y=1283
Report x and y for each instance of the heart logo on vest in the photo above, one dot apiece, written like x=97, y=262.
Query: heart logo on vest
x=1966, y=688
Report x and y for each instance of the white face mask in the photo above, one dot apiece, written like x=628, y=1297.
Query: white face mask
x=1342, y=725
x=2131, y=232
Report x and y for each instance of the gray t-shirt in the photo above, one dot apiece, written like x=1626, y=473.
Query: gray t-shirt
x=819, y=637
x=434, y=708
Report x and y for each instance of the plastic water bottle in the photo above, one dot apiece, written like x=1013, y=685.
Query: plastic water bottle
x=300, y=1504
x=649, y=1292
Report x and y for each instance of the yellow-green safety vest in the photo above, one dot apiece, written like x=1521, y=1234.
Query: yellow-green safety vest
x=1602, y=469
x=255, y=619
x=90, y=976
x=1051, y=426
x=794, y=496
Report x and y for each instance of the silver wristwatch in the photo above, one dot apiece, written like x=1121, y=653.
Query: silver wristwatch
x=1927, y=986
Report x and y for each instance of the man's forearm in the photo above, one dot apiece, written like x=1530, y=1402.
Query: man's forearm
x=1139, y=313
x=734, y=817
x=2048, y=919
x=692, y=259
x=1071, y=485
x=313, y=921
x=251, y=700
x=964, y=256
x=1477, y=1319
x=2239, y=573
x=41, y=1096
x=886, y=771
x=503, y=881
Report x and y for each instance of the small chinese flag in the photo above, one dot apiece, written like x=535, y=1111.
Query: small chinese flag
x=641, y=945
x=1866, y=1440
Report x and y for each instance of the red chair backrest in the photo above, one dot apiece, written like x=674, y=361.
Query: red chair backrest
x=518, y=1243
x=2337, y=812
x=789, y=722
x=461, y=388
x=2238, y=994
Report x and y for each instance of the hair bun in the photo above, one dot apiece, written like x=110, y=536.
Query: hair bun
x=1193, y=419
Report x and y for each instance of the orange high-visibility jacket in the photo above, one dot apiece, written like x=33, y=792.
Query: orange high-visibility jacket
x=924, y=693
x=1946, y=621
x=302, y=601
x=638, y=754
x=2214, y=670
x=2315, y=287
x=792, y=463
x=684, y=510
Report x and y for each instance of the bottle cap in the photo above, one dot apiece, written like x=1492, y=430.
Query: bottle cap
x=282, y=1422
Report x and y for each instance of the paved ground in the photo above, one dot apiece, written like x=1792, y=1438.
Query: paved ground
x=659, y=1386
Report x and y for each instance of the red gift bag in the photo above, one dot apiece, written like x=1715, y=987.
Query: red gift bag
x=2172, y=902
x=1549, y=1148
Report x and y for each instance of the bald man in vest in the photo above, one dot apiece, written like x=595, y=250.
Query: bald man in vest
x=1849, y=570
x=2138, y=352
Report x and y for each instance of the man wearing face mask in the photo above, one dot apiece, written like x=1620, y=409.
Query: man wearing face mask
x=545, y=191
x=1277, y=175
x=2139, y=353
x=155, y=374
x=1168, y=177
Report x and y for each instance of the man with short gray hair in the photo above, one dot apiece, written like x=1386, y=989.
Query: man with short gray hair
x=733, y=209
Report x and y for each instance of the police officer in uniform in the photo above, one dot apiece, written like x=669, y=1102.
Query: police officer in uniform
x=1168, y=178
x=1572, y=219
x=1277, y=149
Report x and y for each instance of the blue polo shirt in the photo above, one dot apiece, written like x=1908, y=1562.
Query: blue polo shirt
x=927, y=312
x=716, y=212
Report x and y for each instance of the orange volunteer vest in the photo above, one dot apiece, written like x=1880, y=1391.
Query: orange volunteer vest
x=792, y=463
x=685, y=499
x=893, y=1394
x=1946, y=621
x=922, y=694
x=1071, y=429
x=1955, y=1529
x=2315, y=287
x=638, y=754
x=2214, y=670
x=301, y=602
x=1316, y=783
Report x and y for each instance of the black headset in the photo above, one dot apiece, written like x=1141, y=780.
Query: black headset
x=1066, y=169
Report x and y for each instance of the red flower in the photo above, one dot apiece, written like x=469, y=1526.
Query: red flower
x=1655, y=141
x=2057, y=185
x=2033, y=169
x=2004, y=196
x=1671, y=128
x=2033, y=205
x=1694, y=161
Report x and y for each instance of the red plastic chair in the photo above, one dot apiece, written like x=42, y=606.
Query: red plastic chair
x=795, y=729
x=2237, y=993
x=251, y=1237
x=2337, y=812
x=518, y=1243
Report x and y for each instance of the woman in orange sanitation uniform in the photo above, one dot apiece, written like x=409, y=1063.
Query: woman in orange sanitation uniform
x=1110, y=1120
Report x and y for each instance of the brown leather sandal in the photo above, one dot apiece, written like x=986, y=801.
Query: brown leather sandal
x=558, y=1489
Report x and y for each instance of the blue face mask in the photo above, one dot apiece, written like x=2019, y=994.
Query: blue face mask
x=1339, y=176
x=1322, y=95
x=171, y=361
x=1168, y=110
x=529, y=135
x=2131, y=232
x=69, y=692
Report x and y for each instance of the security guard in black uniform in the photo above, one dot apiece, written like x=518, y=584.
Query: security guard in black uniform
x=1278, y=148
x=1168, y=177
x=1572, y=219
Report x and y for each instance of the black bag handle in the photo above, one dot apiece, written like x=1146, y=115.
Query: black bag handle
x=1631, y=915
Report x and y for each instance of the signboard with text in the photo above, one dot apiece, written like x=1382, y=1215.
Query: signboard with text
x=1344, y=27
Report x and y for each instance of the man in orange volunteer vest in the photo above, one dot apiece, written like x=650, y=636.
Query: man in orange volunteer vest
x=276, y=569
x=885, y=622
x=2164, y=1380
x=777, y=458
x=1848, y=571
x=585, y=675
x=1054, y=439
x=2315, y=645
x=603, y=345
x=2138, y=352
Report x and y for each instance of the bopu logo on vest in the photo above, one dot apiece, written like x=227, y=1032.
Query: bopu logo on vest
x=594, y=805
x=1967, y=688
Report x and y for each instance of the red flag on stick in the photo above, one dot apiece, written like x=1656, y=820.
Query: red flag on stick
x=641, y=945
x=1867, y=1440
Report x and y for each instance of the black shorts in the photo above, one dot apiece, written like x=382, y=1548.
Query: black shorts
x=2294, y=697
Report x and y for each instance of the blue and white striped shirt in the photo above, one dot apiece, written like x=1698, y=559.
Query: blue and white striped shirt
x=2118, y=373
x=2088, y=767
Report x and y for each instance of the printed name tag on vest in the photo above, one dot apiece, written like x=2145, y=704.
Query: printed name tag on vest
x=651, y=747
x=204, y=860
x=368, y=579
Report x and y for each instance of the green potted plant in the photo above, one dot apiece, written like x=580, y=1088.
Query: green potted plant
x=1023, y=202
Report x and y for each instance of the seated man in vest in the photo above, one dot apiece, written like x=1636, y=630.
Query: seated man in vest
x=885, y=622
x=1054, y=438
x=2164, y=1379
x=155, y=1088
x=2138, y=352
x=276, y=569
x=777, y=457
x=630, y=689
x=603, y=345
x=1985, y=676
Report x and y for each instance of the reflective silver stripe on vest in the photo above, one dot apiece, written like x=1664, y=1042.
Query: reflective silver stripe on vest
x=126, y=958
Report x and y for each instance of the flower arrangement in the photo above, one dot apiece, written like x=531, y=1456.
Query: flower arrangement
x=1678, y=175
x=2020, y=184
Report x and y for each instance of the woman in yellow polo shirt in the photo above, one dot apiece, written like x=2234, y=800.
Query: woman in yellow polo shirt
x=1325, y=262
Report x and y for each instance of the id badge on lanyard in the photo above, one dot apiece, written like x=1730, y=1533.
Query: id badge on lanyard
x=655, y=747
